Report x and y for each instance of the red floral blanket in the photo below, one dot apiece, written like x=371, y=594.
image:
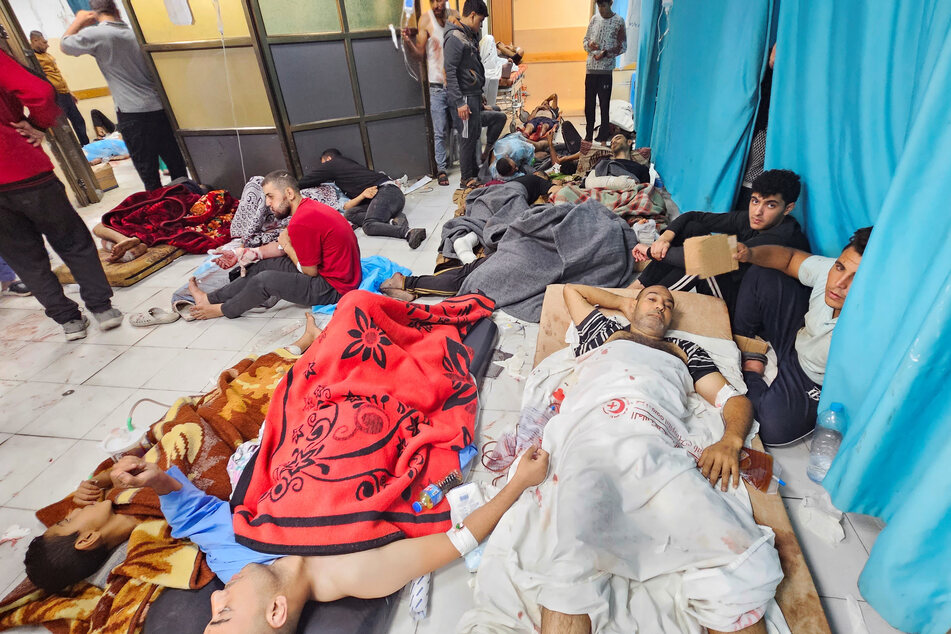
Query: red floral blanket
x=374, y=411
x=174, y=215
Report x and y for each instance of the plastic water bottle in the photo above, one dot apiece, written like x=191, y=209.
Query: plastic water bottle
x=430, y=497
x=825, y=441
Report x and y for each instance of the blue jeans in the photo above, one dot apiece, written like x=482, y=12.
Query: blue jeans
x=438, y=112
x=6, y=273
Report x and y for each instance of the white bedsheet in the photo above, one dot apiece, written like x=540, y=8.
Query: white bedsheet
x=625, y=529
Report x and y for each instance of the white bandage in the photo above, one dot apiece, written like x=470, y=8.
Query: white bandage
x=725, y=394
x=463, y=539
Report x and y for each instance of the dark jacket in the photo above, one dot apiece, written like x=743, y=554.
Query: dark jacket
x=351, y=177
x=465, y=75
x=702, y=223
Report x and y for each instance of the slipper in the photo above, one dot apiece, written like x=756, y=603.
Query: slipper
x=442, y=178
x=469, y=184
x=153, y=317
x=184, y=308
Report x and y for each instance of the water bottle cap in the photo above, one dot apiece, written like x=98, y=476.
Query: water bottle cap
x=417, y=507
x=837, y=407
x=408, y=4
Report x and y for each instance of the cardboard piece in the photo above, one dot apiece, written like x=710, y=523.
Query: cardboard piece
x=707, y=256
x=745, y=344
x=105, y=176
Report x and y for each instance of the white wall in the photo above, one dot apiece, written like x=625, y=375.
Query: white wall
x=49, y=16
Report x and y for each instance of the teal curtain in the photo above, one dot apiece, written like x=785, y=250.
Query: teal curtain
x=860, y=109
x=645, y=88
x=707, y=91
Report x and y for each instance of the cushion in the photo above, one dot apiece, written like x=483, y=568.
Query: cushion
x=128, y=273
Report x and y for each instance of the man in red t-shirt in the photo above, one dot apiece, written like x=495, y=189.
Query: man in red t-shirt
x=314, y=262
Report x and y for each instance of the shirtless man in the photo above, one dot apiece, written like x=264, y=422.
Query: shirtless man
x=428, y=44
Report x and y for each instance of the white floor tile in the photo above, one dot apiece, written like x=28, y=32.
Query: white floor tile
x=144, y=414
x=134, y=367
x=61, y=477
x=5, y=437
x=22, y=458
x=866, y=527
x=31, y=359
x=77, y=414
x=189, y=370
x=794, y=459
x=451, y=597
x=124, y=335
x=80, y=363
x=179, y=334
x=6, y=386
x=875, y=623
x=26, y=403
x=227, y=334
x=11, y=556
x=33, y=325
x=274, y=334
x=835, y=569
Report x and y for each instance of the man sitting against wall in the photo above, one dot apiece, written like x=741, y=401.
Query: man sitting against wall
x=315, y=260
x=376, y=201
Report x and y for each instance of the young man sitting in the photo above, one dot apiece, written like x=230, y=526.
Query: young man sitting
x=314, y=262
x=376, y=201
x=775, y=302
x=766, y=222
x=265, y=592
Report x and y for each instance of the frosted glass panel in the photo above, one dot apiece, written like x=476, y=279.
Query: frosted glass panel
x=295, y=17
x=315, y=81
x=312, y=143
x=384, y=83
x=157, y=28
x=218, y=160
x=198, y=91
x=400, y=146
x=367, y=15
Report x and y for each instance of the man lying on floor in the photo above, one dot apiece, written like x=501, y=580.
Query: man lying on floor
x=315, y=262
x=628, y=535
x=266, y=593
x=775, y=302
x=767, y=221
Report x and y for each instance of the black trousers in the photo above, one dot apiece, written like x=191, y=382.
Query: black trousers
x=68, y=106
x=469, y=133
x=494, y=122
x=598, y=86
x=273, y=277
x=445, y=283
x=773, y=305
x=375, y=214
x=148, y=135
x=26, y=216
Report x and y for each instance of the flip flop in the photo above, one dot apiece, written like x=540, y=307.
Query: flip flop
x=153, y=317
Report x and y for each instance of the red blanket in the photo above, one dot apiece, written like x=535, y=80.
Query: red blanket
x=174, y=215
x=374, y=411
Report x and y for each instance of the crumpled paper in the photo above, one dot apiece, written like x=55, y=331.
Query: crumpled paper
x=819, y=515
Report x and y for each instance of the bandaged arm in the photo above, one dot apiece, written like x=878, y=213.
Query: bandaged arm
x=382, y=571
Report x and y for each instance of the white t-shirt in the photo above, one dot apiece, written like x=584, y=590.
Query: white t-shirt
x=813, y=339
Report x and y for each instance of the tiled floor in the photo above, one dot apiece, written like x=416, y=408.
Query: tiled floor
x=58, y=399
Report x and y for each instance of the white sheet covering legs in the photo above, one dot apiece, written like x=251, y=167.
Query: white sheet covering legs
x=625, y=529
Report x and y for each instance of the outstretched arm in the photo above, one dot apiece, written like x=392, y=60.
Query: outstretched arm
x=771, y=256
x=721, y=460
x=581, y=300
x=382, y=571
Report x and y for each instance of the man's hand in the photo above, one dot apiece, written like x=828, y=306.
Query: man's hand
x=87, y=493
x=31, y=134
x=640, y=252
x=131, y=472
x=226, y=259
x=659, y=248
x=594, y=46
x=721, y=462
x=599, y=55
x=464, y=112
x=86, y=18
x=368, y=193
x=532, y=468
x=742, y=253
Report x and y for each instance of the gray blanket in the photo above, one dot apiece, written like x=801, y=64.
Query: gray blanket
x=552, y=244
x=499, y=203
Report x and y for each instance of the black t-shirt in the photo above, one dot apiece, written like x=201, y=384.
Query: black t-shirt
x=536, y=186
x=349, y=176
x=595, y=329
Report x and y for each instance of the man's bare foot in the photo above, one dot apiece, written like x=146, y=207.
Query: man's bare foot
x=120, y=249
x=311, y=332
x=393, y=287
x=202, y=309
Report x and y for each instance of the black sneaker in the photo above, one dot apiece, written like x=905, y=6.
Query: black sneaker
x=17, y=288
x=415, y=237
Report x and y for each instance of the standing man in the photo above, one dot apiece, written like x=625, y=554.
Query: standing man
x=64, y=99
x=465, y=79
x=142, y=121
x=428, y=44
x=605, y=39
x=33, y=205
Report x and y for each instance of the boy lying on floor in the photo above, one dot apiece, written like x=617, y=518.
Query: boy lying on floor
x=265, y=593
x=628, y=535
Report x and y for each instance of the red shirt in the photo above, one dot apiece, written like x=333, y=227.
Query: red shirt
x=20, y=88
x=322, y=237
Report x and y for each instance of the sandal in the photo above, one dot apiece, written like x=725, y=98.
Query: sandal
x=153, y=317
x=469, y=184
x=442, y=178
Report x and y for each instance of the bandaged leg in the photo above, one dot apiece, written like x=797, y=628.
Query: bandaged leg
x=464, y=247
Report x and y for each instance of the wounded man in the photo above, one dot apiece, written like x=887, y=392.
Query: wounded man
x=627, y=534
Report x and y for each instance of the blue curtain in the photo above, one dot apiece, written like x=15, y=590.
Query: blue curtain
x=860, y=109
x=78, y=5
x=707, y=92
x=645, y=88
